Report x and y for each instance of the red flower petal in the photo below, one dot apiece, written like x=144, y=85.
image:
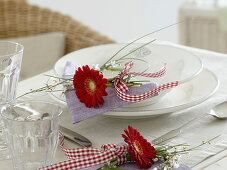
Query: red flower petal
x=140, y=149
x=90, y=86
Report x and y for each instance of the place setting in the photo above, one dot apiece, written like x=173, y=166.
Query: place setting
x=127, y=95
x=184, y=84
x=124, y=81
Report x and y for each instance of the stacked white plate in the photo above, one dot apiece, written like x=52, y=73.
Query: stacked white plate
x=182, y=66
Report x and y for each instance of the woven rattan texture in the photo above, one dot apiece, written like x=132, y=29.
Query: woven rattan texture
x=17, y=18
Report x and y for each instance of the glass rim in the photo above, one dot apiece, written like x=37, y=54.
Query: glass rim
x=34, y=101
x=13, y=53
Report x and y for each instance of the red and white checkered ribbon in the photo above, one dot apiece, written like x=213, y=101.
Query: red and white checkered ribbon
x=88, y=157
x=121, y=86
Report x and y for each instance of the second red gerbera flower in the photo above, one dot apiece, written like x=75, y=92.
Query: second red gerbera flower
x=140, y=149
x=90, y=86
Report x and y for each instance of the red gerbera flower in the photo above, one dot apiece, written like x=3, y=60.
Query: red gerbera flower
x=140, y=149
x=90, y=86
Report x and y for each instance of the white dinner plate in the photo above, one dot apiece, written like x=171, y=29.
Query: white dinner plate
x=182, y=97
x=182, y=65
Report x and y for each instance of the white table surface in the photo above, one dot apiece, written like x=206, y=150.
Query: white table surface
x=102, y=129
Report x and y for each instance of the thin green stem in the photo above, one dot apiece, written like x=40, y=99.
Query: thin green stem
x=141, y=72
x=44, y=88
x=55, y=90
x=201, y=144
x=58, y=77
x=112, y=69
x=136, y=49
x=164, y=141
x=139, y=81
x=117, y=61
x=195, y=147
x=141, y=38
x=134, y=59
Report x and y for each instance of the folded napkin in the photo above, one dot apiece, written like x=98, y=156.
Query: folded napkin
x=80, y=112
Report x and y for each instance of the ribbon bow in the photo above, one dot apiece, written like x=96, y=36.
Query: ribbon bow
x=88, y=157
x=121, y=86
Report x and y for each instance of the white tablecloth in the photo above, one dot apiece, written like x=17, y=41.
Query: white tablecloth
x=102, y=129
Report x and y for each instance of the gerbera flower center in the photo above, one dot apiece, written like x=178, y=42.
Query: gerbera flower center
x=90, y=86
x=138, y=147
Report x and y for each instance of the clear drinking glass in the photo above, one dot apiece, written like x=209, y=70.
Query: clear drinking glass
x=10, y=63
x=31, y=130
